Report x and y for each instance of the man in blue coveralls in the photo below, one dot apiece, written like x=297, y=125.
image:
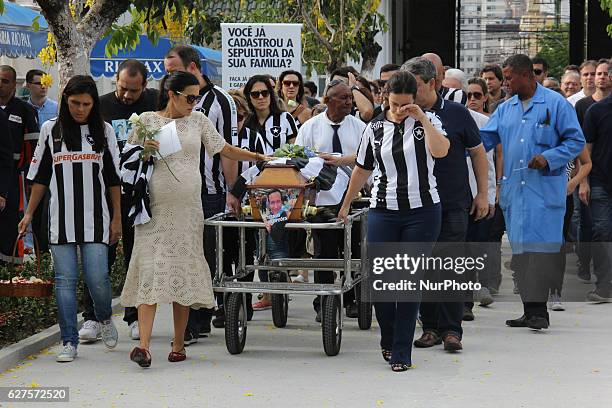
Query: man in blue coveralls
x=539, y=134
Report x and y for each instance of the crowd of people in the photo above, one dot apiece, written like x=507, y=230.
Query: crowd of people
x=445, y=159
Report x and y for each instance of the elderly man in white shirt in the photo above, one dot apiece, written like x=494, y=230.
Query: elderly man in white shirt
x=335, y=135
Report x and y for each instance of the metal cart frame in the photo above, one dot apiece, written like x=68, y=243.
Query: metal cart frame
x=332, y=300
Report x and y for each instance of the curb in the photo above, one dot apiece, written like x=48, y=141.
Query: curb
x=13, y=354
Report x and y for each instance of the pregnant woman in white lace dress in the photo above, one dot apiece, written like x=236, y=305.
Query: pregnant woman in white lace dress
x=167, y=264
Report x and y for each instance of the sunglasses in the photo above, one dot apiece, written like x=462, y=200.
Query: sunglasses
x=294, y=84
x=35, y=83
x=240, y=117
x=191, y=99
x=537, y=71
x=477, y=95
x=257, y=94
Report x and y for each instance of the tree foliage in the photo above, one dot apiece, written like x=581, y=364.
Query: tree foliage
x=606, y=5
x=333, y=30
x=554, y=48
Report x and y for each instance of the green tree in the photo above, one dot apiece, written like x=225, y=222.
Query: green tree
x=553, y=46
x=76, y=26
x=333, y=30
x=606, y=5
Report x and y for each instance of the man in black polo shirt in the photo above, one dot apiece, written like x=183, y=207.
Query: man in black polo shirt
x=6, y=161
x=23, y=127
x=597, y=128
x=603, y=88
x=442, y=320
x=130, y=96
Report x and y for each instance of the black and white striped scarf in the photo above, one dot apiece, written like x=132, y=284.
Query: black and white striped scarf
x=135, y=176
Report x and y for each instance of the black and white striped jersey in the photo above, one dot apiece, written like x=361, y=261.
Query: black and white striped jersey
x=251, y=141
x=454, y=94
x=78, y=181
x=220, y=108
x=278, y=129
x=401, y=161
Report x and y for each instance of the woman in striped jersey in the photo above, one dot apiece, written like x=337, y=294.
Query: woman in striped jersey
x=77, y=158
x=275, y=128
x=399, y=146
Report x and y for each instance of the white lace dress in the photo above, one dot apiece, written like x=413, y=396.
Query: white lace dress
x=168, y=263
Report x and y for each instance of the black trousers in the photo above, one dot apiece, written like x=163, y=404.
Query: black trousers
x=213, y=204
x=329, y=244
x=496, y=232
x=40, y=223
x=556, y=284
x=535, y=272
x=130, y=314
x=446, y=317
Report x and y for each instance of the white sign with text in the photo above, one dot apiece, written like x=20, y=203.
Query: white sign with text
x=250, y=49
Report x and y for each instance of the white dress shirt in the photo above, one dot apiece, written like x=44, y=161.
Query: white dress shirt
x=317, y=133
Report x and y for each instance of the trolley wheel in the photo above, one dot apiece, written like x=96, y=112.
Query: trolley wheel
x=235, y=323
x=364, y=317
x=280, y=309
x=330, y=324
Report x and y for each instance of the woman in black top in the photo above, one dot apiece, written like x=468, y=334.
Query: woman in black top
x=399, y=147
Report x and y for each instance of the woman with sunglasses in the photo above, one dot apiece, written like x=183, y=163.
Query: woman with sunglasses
x=275, y=128
x=291, y=91
x=77, y=159
x=400, y=147
x=168, y=264
x=477, y=96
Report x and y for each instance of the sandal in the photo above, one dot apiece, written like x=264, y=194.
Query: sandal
x=399, y=367
x=386, y=354
x=141, y=356
x=176, y=356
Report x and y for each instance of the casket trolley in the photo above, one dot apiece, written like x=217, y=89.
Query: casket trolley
x=280, y=286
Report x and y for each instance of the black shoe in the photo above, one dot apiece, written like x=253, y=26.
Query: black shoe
x=318, y=318
x=219, y=320
x=520, y=322
x=537, y=323
x=351, y=310
x=584, y=277
x=190, y=338
x=468, y=315
x=599, y=296
x=205, y=328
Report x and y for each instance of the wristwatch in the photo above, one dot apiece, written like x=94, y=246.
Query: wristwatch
x=355, y=88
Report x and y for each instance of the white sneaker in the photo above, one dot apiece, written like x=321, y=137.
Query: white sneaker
x=298, y=279
x=67, y=354
x=134, y=331
x=90, y=332
x=555, y=303
x=109, y=334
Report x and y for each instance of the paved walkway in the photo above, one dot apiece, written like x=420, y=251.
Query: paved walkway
x=569, y=365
